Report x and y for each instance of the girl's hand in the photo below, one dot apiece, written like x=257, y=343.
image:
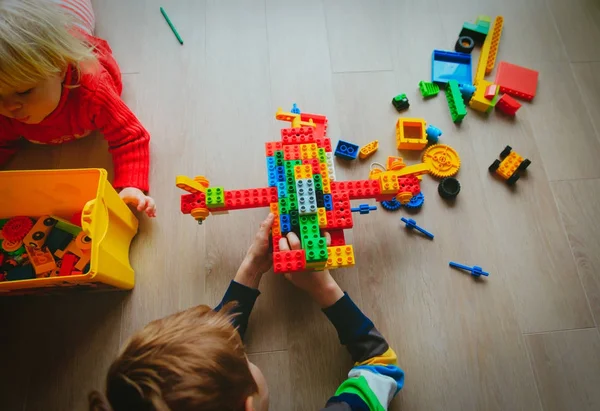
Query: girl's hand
x=258, y=258
x=137, y=198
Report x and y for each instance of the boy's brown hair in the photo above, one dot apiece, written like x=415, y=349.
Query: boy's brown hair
x=191, y=360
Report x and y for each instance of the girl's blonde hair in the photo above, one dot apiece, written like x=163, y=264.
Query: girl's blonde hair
x=37, y=40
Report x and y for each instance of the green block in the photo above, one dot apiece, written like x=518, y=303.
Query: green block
x=318, y=182
x=284, y=205
x=315, y=249
x=484, y=25
x=322, y=156
x=215, y=197
x=67, y=226
x=309, y=226
x=278, y=158
x=292, y=201
x=456, y=105
x=494, y=101
x=428, y=89
x=483, y=19
x=295, y=220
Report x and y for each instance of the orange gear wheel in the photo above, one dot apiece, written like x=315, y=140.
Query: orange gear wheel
x=442, y=159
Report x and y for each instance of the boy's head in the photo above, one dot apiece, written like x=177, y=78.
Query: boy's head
x=37, y=45
x=193, y=360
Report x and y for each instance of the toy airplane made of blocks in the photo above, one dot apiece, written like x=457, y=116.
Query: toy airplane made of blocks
x=302, y=193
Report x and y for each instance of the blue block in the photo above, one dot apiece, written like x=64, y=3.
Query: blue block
x=346, y=150
x=281, y=189
x=295, y=109
x=450, y=65
x=328, y=201
x=467, y=90
x=280, y=173
x=433, y=134
x=271, y=172
x=285, y=223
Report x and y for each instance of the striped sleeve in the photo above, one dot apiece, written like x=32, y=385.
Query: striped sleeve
x=375, y=378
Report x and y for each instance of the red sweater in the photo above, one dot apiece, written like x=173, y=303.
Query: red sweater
x=95, y=104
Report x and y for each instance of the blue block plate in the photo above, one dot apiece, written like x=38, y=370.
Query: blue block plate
x=449, y=65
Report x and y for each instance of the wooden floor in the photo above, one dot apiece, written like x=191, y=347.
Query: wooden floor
x=526, y=338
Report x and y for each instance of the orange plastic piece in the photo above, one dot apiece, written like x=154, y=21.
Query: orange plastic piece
x=73, y=247
x=340, y=256
x=11, y=246
x=404, y=197
x=509, y=165
x=276, y=228
x=369, y=149
x=494, y=36
x=375, y=173
x=410, y=134
x=68, y=265
x=41, y=259
x=38, y=234
x=302, y=171
x=308, y=151
x=388, y=182
x=394, y=163
x=442, y=159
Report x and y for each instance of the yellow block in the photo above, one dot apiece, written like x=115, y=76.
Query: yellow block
x=294, y=119
x=369, y=149
x=308, y=151
x=478, y=101
x=483, y=59
x=340, y=256
x=416, y=169
x=326, y=186
x=494, y=34
x=388, y=182
x=303, y=171
x=199, y=183
x=509, y=165
x=322, y=217
x=410, y=134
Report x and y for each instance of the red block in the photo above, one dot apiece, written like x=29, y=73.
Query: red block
x=191, y=201
x=359, y=189
x=490, y=91
x=410, y=184
x=324, y=143
x=339, y=220
x=337, y=237
x=314, y=163
x=516, y=80
x=508, y=105
x=271, y=147
x=276, y=239
x=291, y=152
x=302, y=135
x=68, y=264
x=252, y=198
x=320, y=121
x=289, y=261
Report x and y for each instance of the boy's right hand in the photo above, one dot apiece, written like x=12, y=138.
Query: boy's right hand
x=320, y=285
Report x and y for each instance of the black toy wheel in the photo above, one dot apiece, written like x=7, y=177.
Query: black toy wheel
x=494, y=166
x=524, y=164
x=505, y=152
x=464, y=44
x=513, y=179
x=49, y=221
x=449, y=188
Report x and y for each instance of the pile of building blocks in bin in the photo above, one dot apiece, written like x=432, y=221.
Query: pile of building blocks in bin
x=47, y=246
x=452, y=70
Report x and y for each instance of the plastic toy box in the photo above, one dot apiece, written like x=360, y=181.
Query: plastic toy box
x=105, y=218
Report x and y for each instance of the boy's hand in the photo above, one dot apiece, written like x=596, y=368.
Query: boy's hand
x=258, y=259
x=139, y=200
x=320, y=285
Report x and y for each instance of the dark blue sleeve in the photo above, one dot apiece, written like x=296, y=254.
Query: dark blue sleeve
x=245, y=297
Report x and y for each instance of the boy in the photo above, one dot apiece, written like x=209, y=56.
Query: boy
x=195, y=359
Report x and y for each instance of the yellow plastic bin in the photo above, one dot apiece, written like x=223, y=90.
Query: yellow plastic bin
x=106, y=219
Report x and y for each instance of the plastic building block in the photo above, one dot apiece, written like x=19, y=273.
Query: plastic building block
x=13, y=248
x=309, y=226
x=308, y=151
x=65, y=225
x=448, y=65
x=511, y=166
x=58, y=239
x=416, y=202
x=412, y=224
x=475, y=31
x=291, y=152
x=346, y=150
x=428, y=89
x=339, y=219
x=449, y=188
x=41, y=259
x=303, y=171
x=400, y=103
x=456, y=105
x=483, y=18
x=363, y=209
x=322, y=216
x=198, y=184
x=327, y=202
x=464, y=44
x=315, y=248
x=301, y=135
x=272, y=146
x=295, y=109
x=490, y=91
x=38, y=233
x=289, y=261
x=81, y=247
x=337, y=237
x=479, y=102
x=307, y=202
x=314, y=164
x=516, y=80
x=494, y=39
x=284, y=223
x=475, y=271
x=68, y=265
x=391, y=205
x=369, y=149
x=410, y=134
x=508, y=105
x=467, y=91
x=22, y=272
x=358, y=189
x=389, y=183
x=295, y=119
x=16, y=228
x=340, y=256
x=215, y=197
x=442, y=159
x=433, y=134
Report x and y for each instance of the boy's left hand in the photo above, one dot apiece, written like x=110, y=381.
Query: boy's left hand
x=141, y=201
x=258, y=258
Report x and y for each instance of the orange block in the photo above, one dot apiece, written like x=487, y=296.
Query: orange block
x=41, y=259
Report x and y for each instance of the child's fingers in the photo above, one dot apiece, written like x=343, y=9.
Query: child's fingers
x=294, y=241
x=328, y=239
x=151, y=207
x=265, y=227
x=283, y=244
x=141, y=202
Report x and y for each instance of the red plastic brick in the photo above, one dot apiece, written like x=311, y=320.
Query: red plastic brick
x=68, y=264
x=516, y=80
x=324, y=143
x=508, y=105
x=289, y=261
x=358, y=189
x=271, y=147
x=291, y=152
x=191, y=201
x=337, y=238
x=490, y=91
x=338, y=220
x=302, y=135
x=410, y=184
x=255, y=197
x=320, y=121
x=314, y=163
x=276, y=239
